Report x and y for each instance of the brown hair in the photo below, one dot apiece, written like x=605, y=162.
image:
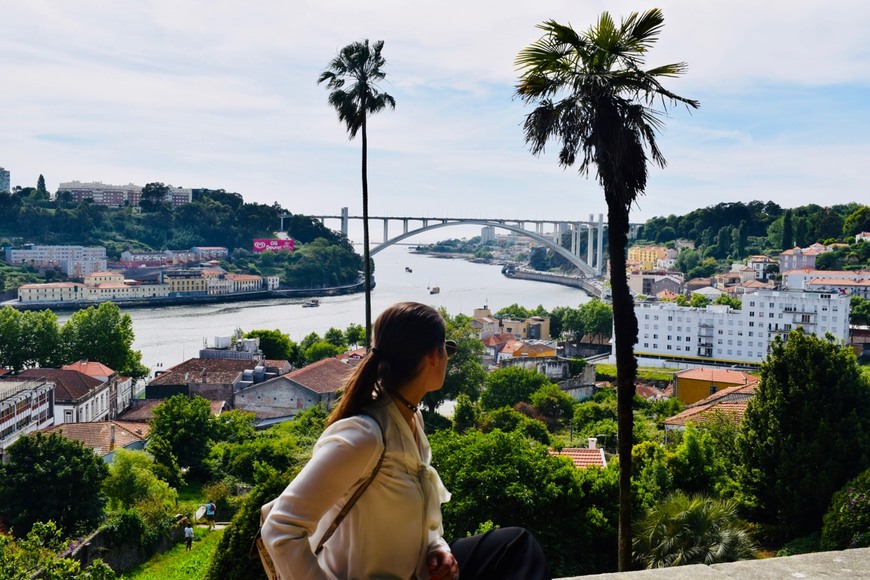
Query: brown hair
x=403, y=334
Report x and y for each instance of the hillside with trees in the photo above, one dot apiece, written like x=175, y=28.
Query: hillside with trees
x=214, y=218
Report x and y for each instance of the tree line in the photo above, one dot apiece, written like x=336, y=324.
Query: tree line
x=102, y=333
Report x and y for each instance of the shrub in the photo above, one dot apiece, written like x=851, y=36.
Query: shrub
x=847, y=522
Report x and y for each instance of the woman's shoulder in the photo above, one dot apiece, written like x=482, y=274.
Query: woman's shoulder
x=360, y=431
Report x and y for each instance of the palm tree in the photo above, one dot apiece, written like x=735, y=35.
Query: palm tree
x=593, y=98
x=360, y=67
x=692, y=530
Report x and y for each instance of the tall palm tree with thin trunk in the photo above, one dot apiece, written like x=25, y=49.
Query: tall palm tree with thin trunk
x=594, y=99
x=353, y=78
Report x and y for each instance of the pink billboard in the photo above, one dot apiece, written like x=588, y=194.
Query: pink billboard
x=272, y=245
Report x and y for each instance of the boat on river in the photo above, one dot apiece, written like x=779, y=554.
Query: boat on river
x=434, y=290
x=313, y=303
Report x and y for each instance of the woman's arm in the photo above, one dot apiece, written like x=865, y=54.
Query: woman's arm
x=345, y=454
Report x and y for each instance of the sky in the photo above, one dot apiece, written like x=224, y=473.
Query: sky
x=223, y=94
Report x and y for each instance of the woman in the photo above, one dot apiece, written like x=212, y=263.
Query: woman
x=394, y=528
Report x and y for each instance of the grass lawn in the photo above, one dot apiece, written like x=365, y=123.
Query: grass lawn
x=643, y=373
x=177, y=563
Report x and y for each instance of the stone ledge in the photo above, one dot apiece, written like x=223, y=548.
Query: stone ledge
x=845, y=564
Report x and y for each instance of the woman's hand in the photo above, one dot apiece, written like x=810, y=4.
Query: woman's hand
x=442, y=566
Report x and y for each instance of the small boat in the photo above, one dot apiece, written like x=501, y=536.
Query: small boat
x=407, y=269
x=313, y=303
x=434, y=290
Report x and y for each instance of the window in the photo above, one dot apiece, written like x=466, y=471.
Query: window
x=655, y=336
x=752, y=303
x=670, y=318
x=770, y=315
x=751, y=323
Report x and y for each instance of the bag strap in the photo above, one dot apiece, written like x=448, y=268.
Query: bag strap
x=359, y=491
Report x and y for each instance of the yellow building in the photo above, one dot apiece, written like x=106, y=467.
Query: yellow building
x=693, y=385
x=646, y=256
x=186, y=284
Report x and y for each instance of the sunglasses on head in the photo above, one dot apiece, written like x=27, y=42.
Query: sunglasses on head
x=450, y=346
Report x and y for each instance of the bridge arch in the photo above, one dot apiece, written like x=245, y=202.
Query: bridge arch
x=575, y=260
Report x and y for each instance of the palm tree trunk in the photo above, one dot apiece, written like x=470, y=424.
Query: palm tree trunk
x=367, y=273
x=625, y=335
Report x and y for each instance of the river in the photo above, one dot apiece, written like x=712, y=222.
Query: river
x=169, y=335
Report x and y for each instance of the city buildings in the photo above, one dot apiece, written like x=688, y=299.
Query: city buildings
x=74, y=261
x=117, y=195
x=4, y=181
x=719, y=334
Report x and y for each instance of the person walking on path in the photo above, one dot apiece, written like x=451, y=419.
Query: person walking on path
x=188, y=535
x=209, y=514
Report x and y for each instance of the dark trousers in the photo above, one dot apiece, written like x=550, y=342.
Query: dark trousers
x=503, y=553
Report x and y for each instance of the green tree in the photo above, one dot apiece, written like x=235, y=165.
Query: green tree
x=321, y=350
x=858, y=221
x=502, y=478
x=811, y=408
x=354, y=334
x=555, y=405
x=102, y=333
x=153, y=196
x=360, y=66
x=692, y=529
x=68, y=477
x=508, y=386
x=275, y=344
x=464, y=414
x=514, y=312
x=29, y=339
x=132, y=480
x=594, y=97
x=335, y=337
x=465, y=374
x=847, y=523
x=596, y=317
x=787, y=240
x=41, y=192
x=860, y=311
x=187, y=426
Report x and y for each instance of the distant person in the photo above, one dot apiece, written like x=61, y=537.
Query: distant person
x=209, y=514
x=393, y=530
x=188, y=535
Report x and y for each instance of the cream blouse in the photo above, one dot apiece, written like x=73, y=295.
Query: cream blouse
x=393, y=527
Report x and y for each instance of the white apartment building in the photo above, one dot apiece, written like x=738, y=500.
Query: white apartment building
x=53, y=255
x=716, y=333
x=26, y=405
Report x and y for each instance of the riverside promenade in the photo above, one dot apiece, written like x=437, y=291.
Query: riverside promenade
x=845, y=564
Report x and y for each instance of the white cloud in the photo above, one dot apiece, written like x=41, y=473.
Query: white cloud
x=223, y=94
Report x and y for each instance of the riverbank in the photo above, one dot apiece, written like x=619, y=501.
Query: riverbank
x=590, y=286
x=68, y=306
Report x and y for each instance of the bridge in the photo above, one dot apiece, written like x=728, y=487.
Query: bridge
x=592, y=266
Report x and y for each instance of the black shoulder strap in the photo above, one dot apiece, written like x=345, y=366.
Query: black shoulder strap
x=359, y=491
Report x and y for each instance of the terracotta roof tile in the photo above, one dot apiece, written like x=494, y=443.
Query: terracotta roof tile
x=91, y=368
x=217, y=371
x=736, y=409
x=717, y=375
x=68, y=385
x=736, y=392
x=583, y=457
x=324, y=376
x=98, y=435
x=141, y=411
